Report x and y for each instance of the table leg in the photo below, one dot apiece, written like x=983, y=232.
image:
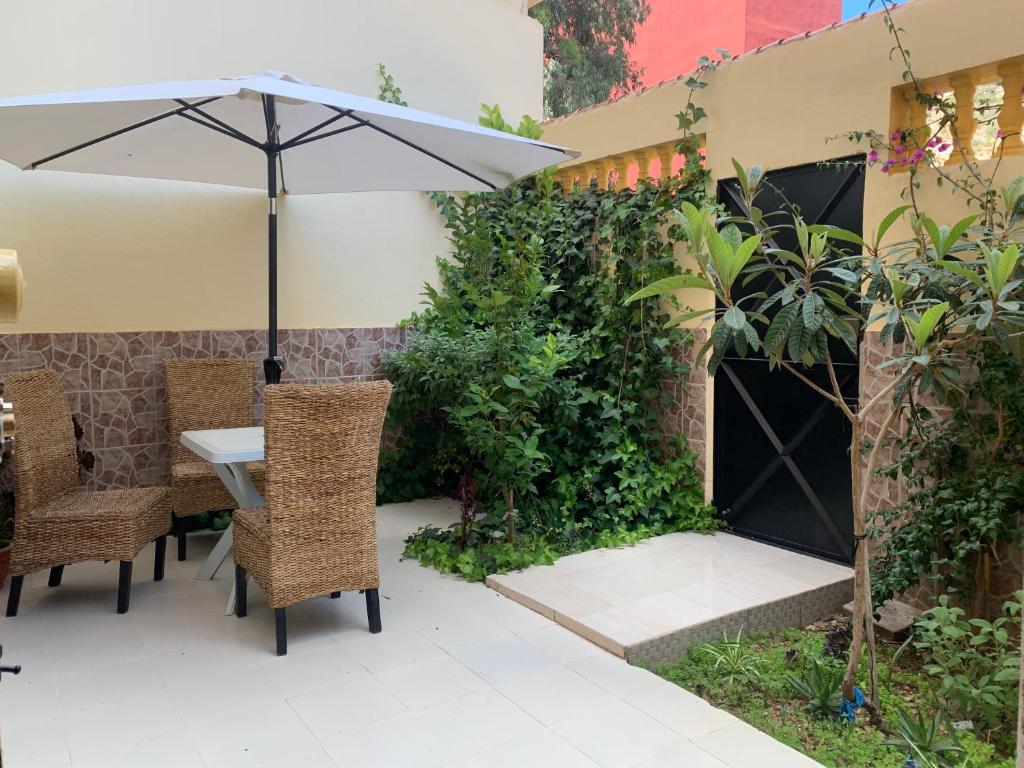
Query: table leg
x=236, y=479
x=221, y=551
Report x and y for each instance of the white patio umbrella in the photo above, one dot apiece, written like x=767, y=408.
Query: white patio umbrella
x=268, y=131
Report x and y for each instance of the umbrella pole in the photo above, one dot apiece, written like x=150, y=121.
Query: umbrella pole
x=273, y=364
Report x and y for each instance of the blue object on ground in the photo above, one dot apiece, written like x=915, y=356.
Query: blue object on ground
x=848, y=709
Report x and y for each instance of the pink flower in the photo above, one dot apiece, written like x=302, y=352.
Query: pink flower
x=999, y=134
x=917, y=157
x=944, y=146
x=898, y=148
x=872, y=157
x=896, y=135
x=885, y=167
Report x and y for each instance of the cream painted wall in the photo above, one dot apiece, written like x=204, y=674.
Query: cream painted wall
x=104, y=254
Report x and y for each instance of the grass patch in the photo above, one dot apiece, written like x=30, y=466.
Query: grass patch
x=770, y=704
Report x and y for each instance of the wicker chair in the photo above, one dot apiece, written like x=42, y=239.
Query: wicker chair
x=318, y=532
x=204, y=394
x=55, y=524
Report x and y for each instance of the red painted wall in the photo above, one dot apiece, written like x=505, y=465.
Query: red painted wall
x=679, y=31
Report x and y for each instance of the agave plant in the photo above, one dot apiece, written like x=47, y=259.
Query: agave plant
x=925, y=740
x=819, y=685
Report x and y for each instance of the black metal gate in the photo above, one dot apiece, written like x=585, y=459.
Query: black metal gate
x=781, y=455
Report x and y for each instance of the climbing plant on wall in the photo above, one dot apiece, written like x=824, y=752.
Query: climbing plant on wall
x=527, y=374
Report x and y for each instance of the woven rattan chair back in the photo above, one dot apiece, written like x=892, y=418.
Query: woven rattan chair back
x=45, y=456
x=206, y=393
x=322, y=444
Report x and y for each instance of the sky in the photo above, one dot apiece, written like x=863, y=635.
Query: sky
x=856, y=7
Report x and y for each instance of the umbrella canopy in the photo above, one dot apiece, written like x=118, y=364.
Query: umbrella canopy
x=268, y=131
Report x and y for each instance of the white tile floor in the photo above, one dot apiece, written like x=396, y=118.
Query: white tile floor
x=461, y=677
x=621, y=598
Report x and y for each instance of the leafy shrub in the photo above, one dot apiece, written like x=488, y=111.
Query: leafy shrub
x=528, y=373
x=976, y=662
x=819, y=685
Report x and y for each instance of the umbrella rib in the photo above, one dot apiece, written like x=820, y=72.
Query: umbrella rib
x=118, y=132
x=417, y=147
x=230, y=130
x=213, y=127
x=293, y=143
x=296, y=140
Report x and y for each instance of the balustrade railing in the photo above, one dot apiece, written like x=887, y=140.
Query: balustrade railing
x=659, y=161
x=989, y=103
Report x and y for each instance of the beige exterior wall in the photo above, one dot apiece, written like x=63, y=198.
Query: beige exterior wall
x=784, y=106
x=108, y=254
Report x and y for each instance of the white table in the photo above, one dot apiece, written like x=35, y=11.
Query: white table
x=228, y=450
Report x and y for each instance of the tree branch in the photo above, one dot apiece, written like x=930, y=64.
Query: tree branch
x=838, y=390
x=886, y=390
x=824, y=393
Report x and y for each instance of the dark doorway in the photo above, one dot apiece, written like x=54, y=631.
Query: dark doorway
x=781, y=455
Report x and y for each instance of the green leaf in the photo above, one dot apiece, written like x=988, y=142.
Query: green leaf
x=775, y=338
x=512, y=382
x=963, y=271
x=668, y=285
x=957, y=231
x=890, y=218
x=836, y=233
x=813, y=312
x=933, y=233
x=728, y=262
x=929, y=320
x=741, y=175
x=735, y=318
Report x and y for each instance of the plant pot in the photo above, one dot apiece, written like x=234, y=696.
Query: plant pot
x=5, y=564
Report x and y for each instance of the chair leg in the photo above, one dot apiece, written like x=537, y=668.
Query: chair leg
x=124, y=586
x=281, y=626
x=373, y=610
x=14, y=596
x=159, y=557
x=180, y=533
x=56, y=574
x=241, y=592
x=335, y=595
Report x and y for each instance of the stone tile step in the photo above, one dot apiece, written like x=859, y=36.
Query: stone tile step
x=651, y=602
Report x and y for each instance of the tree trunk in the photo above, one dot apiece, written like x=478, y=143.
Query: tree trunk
x=863, y=615
x=857, y=643
x=1020, y=706
x=510, y=513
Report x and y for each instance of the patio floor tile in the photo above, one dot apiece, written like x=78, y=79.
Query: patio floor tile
x=461, y=676
x=430, y=682
x=544, y=750
x=618, y=736
x=555, y=695
x=504, y=660
x=378, y=747
x=346, y=707
x=466, y=724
